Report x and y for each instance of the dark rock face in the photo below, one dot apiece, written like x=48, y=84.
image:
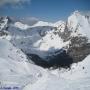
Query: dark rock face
x=79, y=48
x=66, y=34
x=59, y=60
x=3, y=33
x=38, y=61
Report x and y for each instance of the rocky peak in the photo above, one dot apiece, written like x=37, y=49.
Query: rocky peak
x=3, y=23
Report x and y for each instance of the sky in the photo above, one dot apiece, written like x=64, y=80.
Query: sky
x=47, y=10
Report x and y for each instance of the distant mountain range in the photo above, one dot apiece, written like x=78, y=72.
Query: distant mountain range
x=24, y=44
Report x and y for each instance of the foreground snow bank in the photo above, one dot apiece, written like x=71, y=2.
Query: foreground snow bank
x=15, y=70
x=79, y=70
x=78, y=78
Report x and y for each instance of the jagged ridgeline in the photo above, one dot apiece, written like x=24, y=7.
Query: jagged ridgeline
x=50, y=44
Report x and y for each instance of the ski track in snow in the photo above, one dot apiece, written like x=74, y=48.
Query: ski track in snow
x=48, y=82
x=40, y=84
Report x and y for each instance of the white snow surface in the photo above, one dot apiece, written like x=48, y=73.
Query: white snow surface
x=79, y=24
x=42, y=23
x=21, y=26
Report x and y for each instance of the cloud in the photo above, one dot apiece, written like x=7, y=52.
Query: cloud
x=13, y=2
x=29, y=20
x=86, y=12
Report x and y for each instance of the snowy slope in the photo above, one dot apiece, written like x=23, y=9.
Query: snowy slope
x=21, y=26
x=42, y=23
x=79, y=70
x=78, y=78
x=79, y=24
x=15, y=70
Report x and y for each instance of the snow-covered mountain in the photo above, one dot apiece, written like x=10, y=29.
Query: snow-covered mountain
x=46, y=39
x=24, y=46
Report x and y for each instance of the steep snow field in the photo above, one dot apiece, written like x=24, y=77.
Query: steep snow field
x=79, y=24
x=15, y=70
